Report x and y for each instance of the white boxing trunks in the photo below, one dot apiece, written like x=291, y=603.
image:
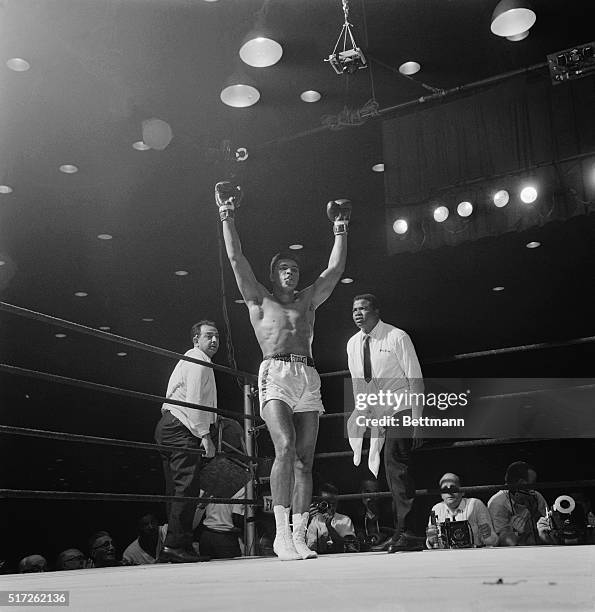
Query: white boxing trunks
x=293, y=382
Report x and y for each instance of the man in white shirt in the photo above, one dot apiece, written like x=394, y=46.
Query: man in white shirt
x=187, y=428
x=145, y=550
x=456, y=507
x=328, y=528
x=382, y=358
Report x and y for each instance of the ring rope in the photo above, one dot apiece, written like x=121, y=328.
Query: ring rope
x=119, y=497
x=85, y=384
x=488, y=353
x=38, y=316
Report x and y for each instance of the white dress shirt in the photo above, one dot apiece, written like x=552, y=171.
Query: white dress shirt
x=395, y=367
x=191, y=382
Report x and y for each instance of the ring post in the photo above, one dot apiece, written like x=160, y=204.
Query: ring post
x=250, y=526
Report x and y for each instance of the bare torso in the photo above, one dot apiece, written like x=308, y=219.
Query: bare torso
x=284, y=328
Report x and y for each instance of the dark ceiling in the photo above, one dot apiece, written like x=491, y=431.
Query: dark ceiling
x=99, y=68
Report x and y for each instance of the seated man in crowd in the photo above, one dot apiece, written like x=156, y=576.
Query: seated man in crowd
x=222, y=526
x=456, y=507
x=71, y=559
x=516, y=511
x=32, y=564
x=146, y=548
x=372, y=533
x=102, y=551
x=329, y=531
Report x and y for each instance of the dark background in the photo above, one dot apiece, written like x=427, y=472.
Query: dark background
x=98, y=69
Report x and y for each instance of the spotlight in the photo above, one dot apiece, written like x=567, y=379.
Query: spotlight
x=240, y=96
x=512, y=17
x=409, y=68
x=533, y=245
x=464, y=209
x=501, y=198
x=261, y=52
x=529, y=195
x=400, y=226
x=441, y=214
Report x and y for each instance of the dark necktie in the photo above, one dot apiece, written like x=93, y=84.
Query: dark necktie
x=367, y=361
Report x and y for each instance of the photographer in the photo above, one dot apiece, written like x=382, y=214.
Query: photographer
x=455, y=507
x=329, y=531
x=516, y=512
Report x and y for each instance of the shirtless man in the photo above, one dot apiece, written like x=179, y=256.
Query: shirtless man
x=288, y=384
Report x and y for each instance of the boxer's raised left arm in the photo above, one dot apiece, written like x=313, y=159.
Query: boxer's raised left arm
x=339, y=212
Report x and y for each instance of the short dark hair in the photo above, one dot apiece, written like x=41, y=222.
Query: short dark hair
x=370, y=297
x=517, y=471
x=95, y=537
x=195, y=331
x=327, y=487
x=283, y=255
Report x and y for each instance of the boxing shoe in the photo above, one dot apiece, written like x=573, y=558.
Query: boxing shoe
x=283, y=545
x=300, y=522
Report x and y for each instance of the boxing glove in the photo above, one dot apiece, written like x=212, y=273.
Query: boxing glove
x=339, y=212
x=227, y=197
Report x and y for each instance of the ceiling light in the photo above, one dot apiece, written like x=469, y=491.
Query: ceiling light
x=104, y=236
x=533, y=245
x=296, y=247
x=60, y=335
x=400, y=226
x=529, y=195
x=147, y=319
x=497, y=288
x=409, y=68
x=68, y=168
x=261, y=52
x=2, y=262
x=441, y=214
x=121, y=354
x=501, y=198
x=157, y=134
x=18, y=64
x=518, y=37
x=310, y=96
x=512, y=17
x=181, y=273
x=104, y=327
x=378, y=168
x=5, y=189
x=239, y=301
x=240, y=96
x=139, y=145
x=464, y=209
x=347, y=280
x=81, y=294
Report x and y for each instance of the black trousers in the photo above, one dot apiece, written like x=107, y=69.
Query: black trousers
x=397, y=465
x=219, y=544
x=181, y=471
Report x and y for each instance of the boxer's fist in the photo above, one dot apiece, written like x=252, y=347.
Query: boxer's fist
x=227, y=197
x=339, y=212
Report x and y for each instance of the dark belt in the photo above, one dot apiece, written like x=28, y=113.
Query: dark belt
x=290, y=357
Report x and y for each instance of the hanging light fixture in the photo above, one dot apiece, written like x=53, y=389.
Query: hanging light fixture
x=259, y=49
x=513, y=19
x=239, y=92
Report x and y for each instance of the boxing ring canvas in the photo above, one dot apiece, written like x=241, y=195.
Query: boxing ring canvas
x=478, y=580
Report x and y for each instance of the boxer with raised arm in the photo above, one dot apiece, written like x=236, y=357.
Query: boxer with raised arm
x=288, y=384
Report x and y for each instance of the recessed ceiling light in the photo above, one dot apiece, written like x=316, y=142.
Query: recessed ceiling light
x=464, y=209
x=400, y=226
x=240, y=96
x=501, y=198
x=104, y=327
x=239, y=301
x=147, y=319
x=104, y=236
x=497, y=288
x=68, y=168
x=296, y=247
x=121, y=354
x=533, y=245
x=5, y=189
x=529, y=195
x=346, y=280
x=310, y=96
x=378, y=167
x=60, y=335
x=18, y=64
x=441, y=214
x=409, y=68
x=181, y=273
x=81, y=294
x=139, y=145
x=261, y=52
